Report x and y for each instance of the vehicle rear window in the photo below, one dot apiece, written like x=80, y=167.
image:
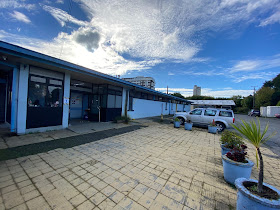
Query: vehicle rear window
x=225, y=114
x=210, y=112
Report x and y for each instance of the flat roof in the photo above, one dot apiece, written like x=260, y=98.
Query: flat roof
x=213, y=102
x=14, y=50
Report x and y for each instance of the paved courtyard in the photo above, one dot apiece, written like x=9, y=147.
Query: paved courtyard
x=157, y=167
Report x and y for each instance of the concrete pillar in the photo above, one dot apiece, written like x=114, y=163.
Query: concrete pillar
x=14, y=106
x=22, y=98
x=66, y=100
x=125, y=91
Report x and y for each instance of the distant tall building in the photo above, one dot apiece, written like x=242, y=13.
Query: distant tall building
x=147, y=82
x=196, y=91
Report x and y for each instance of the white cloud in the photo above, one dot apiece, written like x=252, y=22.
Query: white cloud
x=248, y=65
x=20, y=17
x=256, y=65
x=258, y=75
x=62, y=17
x=225, y=92
x=150, y=32
x=103, y=59
x=16, y=4
x=274, y=18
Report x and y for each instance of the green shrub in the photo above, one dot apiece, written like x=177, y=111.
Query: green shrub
x=242, y=110
x=231, y=140
x=176, y=119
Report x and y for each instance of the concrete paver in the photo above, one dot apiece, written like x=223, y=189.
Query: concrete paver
x=157, y=167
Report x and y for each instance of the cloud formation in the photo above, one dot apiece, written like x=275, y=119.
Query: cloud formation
x=62, y=17
x=256, y=65
x=20, y=17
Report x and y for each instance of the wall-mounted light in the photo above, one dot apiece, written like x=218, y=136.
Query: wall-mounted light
x=4, y=57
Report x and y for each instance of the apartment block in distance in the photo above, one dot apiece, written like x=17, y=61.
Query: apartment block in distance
x=147, y=82
x=196, y=91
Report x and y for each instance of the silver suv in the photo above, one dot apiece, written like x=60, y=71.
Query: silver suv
x=203, y=117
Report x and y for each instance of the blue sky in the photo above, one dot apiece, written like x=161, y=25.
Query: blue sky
x=224, y=46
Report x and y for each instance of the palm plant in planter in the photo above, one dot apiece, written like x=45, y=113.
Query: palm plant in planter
x=212, y=128
x=177, y=123
x=254, y=194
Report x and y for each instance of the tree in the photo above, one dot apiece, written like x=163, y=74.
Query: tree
x=237, y=100
x=200, y=98
x=263, y=96
x=247, y=102
x=179, y=95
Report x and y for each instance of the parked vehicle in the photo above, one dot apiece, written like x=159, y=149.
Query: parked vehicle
x=204, y=116
x=254, y=113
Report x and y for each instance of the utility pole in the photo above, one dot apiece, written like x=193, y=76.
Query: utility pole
x=167, y=90
x=254, y=96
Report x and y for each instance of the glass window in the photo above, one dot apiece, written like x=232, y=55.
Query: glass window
x=37, y=94
x=225, y=114
x=209, y=112
x=130, y=104
x=54, y=96
x=118, y=102
x=196, y=112
x=111, y=101
x=165, y=105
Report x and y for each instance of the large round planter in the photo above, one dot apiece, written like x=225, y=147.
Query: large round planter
x=177, y=124
x=224, y=150
x=188, y=126
x=212, y=129
x=234, y=170
x=247, y=200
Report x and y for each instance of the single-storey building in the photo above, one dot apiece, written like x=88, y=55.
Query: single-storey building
x=39, y=92
x=225, y=104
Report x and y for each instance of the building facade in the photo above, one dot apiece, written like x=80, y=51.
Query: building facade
x=147, y=82
x=196, y=91
x=39, y=93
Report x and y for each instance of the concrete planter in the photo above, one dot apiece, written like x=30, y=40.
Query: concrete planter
x=224, y=150
x=247, y=200
x=234, y=170
x=177, y=124
x=188, y=126
x=212, y=129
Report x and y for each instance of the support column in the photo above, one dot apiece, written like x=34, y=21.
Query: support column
x=14, y=105
x=124, y=98
x=66, y=100
x=22, y=98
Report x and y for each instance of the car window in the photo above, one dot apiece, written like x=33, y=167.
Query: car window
x=209, y=112
x=225, y=114
x=196, y=112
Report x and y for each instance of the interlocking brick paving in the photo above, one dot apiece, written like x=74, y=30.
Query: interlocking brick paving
x=157, y=167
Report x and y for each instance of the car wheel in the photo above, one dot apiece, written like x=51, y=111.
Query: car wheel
x=220, y=126
x=182, y=120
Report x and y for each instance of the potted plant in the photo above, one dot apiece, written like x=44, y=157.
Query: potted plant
x=212, y=128
x=253, y=194
x=236, y=165
x=177, y=123
x=188, y=125
x=229, y=141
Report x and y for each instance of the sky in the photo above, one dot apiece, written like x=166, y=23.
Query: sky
x=224, y=46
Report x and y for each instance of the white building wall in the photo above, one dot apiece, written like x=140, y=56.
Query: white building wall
x=148, y=108
x=272, y=110
x=263, y=111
